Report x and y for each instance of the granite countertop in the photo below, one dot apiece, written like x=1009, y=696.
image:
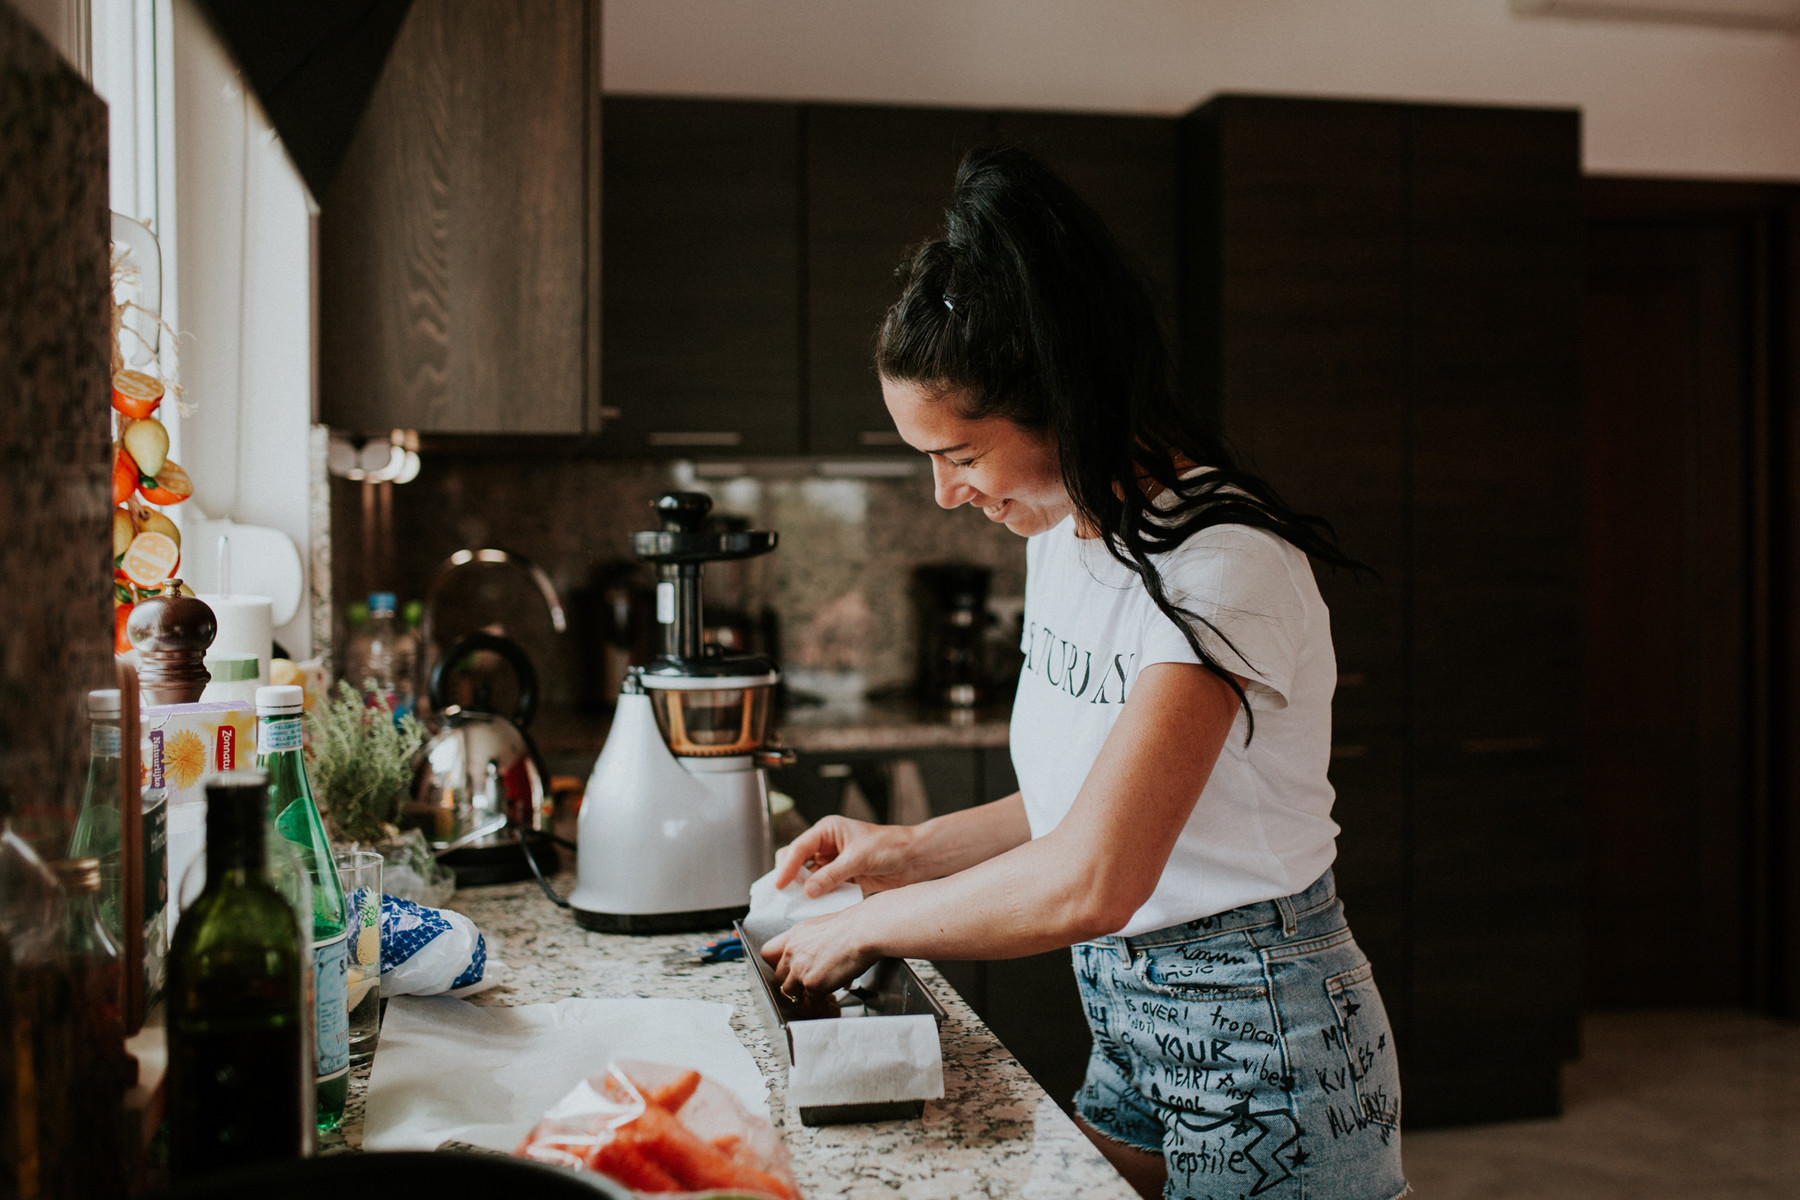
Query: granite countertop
x=890, y=724
x=995, y=1133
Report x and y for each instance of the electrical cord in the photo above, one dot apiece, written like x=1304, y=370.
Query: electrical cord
x=531, y=861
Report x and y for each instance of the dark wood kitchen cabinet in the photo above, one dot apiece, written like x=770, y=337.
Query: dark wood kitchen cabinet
x=750, y=252
x=1382, y=305
x=459, y=255
x=702, y=315
x=876, y=182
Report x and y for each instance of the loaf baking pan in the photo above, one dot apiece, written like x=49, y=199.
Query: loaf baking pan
x=890, y=988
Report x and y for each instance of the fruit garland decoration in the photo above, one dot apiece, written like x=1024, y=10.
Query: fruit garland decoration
x=146, y=545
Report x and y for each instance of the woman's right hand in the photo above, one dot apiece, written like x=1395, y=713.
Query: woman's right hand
x=840, y=850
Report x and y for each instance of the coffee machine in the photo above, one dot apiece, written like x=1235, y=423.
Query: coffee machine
x=675, y=821
x=953, y=634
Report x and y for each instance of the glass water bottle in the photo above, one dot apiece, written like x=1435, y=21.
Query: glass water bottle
x=97, y=836
x=279, y=715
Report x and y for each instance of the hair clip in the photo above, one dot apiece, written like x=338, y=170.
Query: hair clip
x=947, y=303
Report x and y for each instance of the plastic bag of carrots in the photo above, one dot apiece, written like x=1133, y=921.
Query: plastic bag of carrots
x=662, y=1130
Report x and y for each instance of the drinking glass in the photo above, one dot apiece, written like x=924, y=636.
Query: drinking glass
x=360, y=873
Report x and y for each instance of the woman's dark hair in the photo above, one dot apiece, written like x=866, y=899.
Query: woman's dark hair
x=1028, y=310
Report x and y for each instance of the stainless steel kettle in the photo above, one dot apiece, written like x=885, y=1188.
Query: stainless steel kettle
x=479, y=784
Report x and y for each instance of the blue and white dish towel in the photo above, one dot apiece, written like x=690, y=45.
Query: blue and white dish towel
x=432, y=952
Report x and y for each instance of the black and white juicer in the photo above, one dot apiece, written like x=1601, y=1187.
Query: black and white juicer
x=675, y=822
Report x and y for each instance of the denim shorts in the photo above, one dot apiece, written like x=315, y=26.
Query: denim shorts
x=1250, y=1049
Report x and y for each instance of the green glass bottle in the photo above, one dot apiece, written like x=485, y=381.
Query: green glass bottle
x=278, y=739
x=239, y=1085
x=97, y=825
x=97, y=836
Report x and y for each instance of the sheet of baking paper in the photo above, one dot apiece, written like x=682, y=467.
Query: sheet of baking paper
x=772, y=911
x=448, y=1070
x=845, y=1060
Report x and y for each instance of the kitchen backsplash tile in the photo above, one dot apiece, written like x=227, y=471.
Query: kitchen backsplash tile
x=840, y=584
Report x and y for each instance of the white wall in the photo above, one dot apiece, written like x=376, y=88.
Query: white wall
x=1660, y=99
x=243, y=265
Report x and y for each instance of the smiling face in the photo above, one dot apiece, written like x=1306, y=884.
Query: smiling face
x=1010, y=473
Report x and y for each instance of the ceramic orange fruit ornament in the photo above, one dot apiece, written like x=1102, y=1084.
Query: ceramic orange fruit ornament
x=124, y=476
x=135, y=394
x=171, y=485
x=151, y=558
x=121, y=614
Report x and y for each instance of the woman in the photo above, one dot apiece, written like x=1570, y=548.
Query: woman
x=1170, y=734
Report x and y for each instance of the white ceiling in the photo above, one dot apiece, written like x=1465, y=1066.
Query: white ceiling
x=1657, y=97
x=1754, y=14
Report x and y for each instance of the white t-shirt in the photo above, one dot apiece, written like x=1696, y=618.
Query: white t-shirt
x=1262, y=826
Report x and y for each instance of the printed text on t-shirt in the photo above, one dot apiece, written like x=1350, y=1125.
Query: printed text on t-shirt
x=1068, y=668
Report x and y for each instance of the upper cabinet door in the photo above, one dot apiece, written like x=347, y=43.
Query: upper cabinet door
x=458, y=243
x=702, y=313
x=1299, y=310
x=876, y=183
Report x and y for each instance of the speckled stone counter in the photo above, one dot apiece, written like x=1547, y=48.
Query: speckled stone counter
x=891, y=725
x=994, y=1134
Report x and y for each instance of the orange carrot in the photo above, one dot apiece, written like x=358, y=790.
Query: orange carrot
x=673, y=1095
x=563, y=1149
x=627, y=1159
x=614, y=1090
x=697, y=1165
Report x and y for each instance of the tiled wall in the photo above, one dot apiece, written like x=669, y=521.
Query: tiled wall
x=840, y=582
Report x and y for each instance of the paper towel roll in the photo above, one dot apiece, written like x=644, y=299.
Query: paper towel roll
x=245, y=627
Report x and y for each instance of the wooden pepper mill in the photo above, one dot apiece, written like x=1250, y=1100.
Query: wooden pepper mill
x=171, y=633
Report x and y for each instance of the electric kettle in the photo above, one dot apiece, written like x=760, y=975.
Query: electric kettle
x=479, y=786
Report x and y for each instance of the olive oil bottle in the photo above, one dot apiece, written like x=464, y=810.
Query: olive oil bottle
x=239, y=1086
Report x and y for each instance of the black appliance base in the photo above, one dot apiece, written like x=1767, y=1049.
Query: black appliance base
x=502, y=862
x=698, y=921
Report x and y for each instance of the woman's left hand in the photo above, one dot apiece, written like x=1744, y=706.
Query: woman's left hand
x=819, y=956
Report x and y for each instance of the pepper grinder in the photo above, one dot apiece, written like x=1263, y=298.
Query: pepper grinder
x=171, y=633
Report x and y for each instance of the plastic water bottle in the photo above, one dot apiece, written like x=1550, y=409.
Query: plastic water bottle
x=383, y=658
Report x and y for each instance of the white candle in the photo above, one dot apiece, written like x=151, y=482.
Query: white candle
x=245, y=627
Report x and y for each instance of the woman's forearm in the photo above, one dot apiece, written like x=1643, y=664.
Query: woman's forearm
x=957, y=841
x=1013, y=896
x=1031, y=899
x=1086, y=877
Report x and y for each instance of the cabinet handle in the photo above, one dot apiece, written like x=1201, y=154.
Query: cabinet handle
x=682, y=438
x=880, y=437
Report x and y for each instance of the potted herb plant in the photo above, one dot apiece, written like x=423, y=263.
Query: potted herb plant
x=359, y=759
